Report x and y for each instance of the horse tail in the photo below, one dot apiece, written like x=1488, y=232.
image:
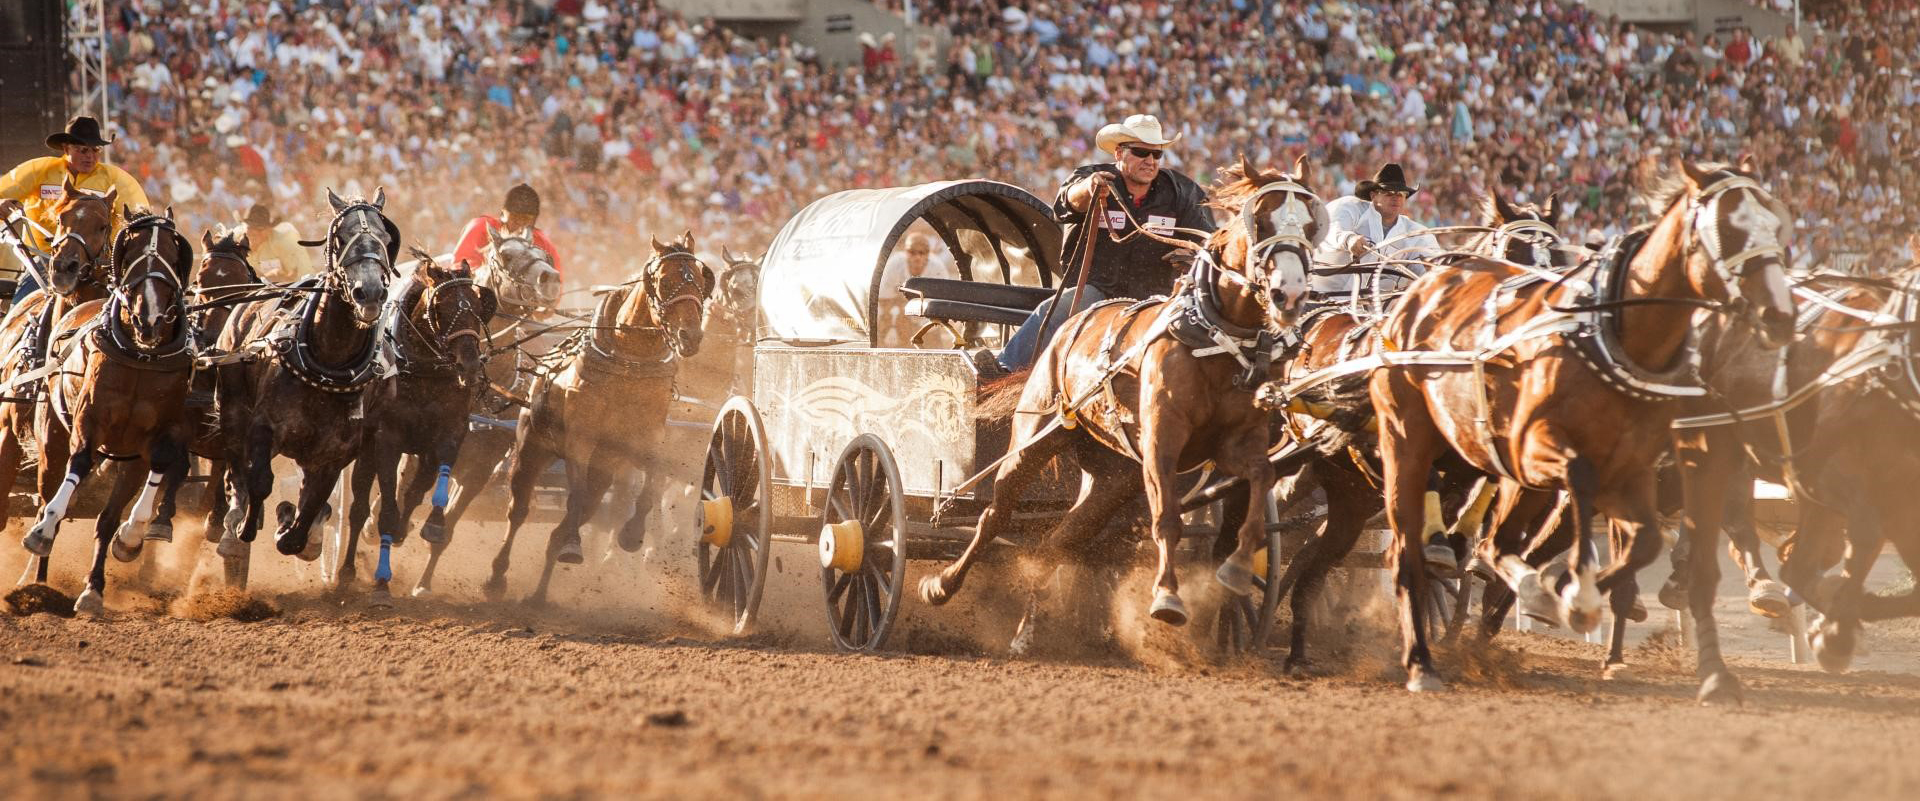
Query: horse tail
x=1001, y=396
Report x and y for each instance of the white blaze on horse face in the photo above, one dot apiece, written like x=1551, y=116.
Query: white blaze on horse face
x=1289, y=277
x=151, y=314
x=1762, y=228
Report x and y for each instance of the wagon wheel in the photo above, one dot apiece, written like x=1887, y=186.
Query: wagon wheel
x=1245, y=620
x=863, y=545
x=734, y=513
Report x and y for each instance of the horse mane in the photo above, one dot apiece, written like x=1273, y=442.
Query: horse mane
x=229, y=241
x=1237, y=182
x=1661, y=190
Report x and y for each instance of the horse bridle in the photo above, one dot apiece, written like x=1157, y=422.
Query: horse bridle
x=130, y=276
x=655, y=267
x=94, y=259
x=1537, y=235
x=1288, y=236
x=335, y=279
x=441, y=340
x=496, y=266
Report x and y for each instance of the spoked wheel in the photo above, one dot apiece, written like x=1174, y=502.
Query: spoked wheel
x=734, y=513
x=863, y=545
x=1245, y=620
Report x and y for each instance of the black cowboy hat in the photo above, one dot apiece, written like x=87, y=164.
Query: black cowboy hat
x=82, y=130
x=1390, y=177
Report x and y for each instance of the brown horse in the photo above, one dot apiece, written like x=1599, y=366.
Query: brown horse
x=76, y=267
x=439, y=332
x=222, y=278
x=1168, y=384
x=124, y=367
x=1565, y=385
x=1336, y=422
x=306, y=356
x=603, y=406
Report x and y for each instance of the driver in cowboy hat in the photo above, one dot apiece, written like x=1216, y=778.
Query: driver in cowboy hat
x=1372, y=224
x=1158, y=197
x=274, y=247
x=33, y=188
x=517, y=215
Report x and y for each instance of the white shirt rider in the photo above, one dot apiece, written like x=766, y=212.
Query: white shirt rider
x=1365, y=229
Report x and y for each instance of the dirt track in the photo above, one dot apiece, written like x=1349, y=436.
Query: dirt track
x=620, y=689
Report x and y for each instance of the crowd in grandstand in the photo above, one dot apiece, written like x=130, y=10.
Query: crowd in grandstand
x=634, y=120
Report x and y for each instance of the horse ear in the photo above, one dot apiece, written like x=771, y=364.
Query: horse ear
x=1749, y=164
x=69, y=188
x=169, y=211
x=1551, y=210
x=113, y=197
x=489, y=303
x=206, y=238
x=1302, y=170
x=335, y=201
x=380, y=197
x=1246, y=167
x=686, y=241
x=726, y=255
x=1695, y=176
x=1504, y=210
x=657, y=247
x=493, y=237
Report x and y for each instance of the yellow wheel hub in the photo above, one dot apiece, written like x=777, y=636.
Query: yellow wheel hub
x=842, y=546
x=1260, y=563
x=716, y=521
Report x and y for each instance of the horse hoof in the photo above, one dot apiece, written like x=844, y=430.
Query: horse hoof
x=1167, y=608
x=1580, y=604
x=283, y=513
x=213, y=532
x=159, y=532
x=1637, y=613
x=231, y=548
x=1236, y=576
x=1534, y=602
x=1022, y=643
x=290, y=543
x=1616, y=671
x=380, y=599
x=235, y=520
x=1833, y=647
x=89, y=603
x=1297, y=667
x=123, y=552
x=313, y=548
x=495, y=588
x=934, y=591
x=1673, y=594
x=1768, y=599
x=38, y=542
x=423, y=591
x=433, y=533
x=130, y=531
x=1424, y=682
x=569, y=553
x=1441, y=561
x=1721, y=688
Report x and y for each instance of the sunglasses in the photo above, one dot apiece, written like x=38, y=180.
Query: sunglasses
x=1144, y=152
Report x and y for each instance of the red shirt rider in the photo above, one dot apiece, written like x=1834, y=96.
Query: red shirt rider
x=518, y=213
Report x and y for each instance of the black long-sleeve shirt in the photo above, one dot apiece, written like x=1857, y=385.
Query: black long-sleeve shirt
x=1137, y=267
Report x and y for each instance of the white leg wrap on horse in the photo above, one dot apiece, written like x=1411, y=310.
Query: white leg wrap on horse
x=56, y=510
x=1582, y=599
x=142, y=513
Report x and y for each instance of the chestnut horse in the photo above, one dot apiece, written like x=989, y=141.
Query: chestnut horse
x=602, y=408
x=124, y=367
x=439, y=332
x=1140, y=392
x=1565, y=384
x=1336, y=422
x=296, y=389
x=76, y=272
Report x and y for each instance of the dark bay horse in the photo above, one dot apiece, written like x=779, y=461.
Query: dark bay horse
x=602, y=407
x=438, y=328
x=1336, y=421
x=1565, y=385
x=1138, y=393
x=124, y=366
x=306, y=356
x=76, y=272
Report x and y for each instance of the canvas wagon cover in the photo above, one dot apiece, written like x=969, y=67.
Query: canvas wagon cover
x=820, y=280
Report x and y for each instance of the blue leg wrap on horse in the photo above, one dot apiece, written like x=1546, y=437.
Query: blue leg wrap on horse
x=440, y=487
x=384, y=571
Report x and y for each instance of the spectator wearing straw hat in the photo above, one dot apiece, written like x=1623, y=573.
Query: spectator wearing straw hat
x=274, y=247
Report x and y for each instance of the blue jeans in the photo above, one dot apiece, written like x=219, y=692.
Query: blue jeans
x=1025, y=344
x=27, y=284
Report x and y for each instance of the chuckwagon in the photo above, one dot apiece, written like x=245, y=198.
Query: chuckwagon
x=869, y=453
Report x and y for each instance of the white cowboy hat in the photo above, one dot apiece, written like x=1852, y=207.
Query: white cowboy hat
x=1142, y=128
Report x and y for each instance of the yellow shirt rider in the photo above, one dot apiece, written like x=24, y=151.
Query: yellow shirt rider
x=273, y=246
x=34, y=186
